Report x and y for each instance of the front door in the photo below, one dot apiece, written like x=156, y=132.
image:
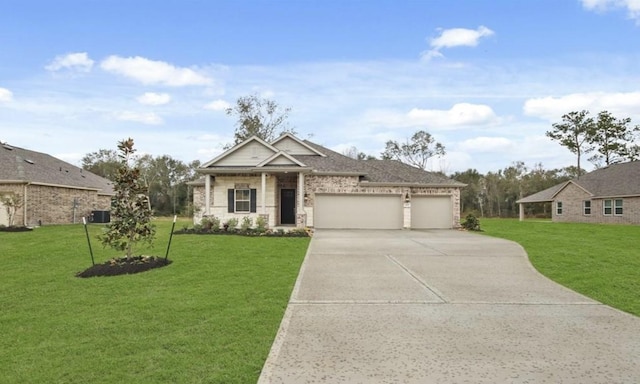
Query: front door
x=287, y=206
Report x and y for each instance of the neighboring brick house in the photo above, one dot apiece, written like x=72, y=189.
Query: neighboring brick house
x=606, y=195
x=50, y=191
x=298, y=183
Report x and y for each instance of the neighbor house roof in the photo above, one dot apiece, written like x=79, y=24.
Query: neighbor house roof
x=616, y=180
x=320, y=160
x=19, y=165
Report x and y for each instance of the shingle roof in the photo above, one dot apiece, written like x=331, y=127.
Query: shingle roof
x=611, y=181
x=22, y=165
x=374, y=171
x=543, y=196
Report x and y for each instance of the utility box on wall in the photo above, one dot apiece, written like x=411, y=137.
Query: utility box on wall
x=100, y=217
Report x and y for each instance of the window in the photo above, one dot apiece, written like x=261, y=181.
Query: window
x=586, y=207
x=617, y=209
x=243, y=200
x=607, y=207
x=558, y=207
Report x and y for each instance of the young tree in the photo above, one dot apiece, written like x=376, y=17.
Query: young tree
x=415, y=151
x=574, y=133
x=612, y=139
x=259, y=117
x=131, y=221
x=11, y=203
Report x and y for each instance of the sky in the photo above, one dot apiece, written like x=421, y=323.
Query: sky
x=486, y=79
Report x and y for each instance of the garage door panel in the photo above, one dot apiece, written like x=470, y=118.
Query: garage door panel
x=433, y=212
x=342, y=211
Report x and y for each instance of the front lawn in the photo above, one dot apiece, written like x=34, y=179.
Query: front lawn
x=599, y=261
x=209, y=317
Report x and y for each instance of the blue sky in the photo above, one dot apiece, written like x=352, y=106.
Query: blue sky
x=486, y=79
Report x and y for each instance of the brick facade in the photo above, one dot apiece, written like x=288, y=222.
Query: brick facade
x=573, y=197
x=45, y=204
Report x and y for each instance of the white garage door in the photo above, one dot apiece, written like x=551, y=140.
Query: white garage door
x=358, y=211
x=431, y=212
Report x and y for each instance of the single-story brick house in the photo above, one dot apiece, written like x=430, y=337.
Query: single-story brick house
x=606, y=195
x=298, y=183
x=50, y=191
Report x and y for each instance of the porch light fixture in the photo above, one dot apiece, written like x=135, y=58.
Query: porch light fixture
x=406, y=197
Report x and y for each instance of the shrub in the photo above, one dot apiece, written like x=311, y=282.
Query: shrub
x=246, y=224
x=232, y=224
x=261, y=224
x=471, y=223
x=210, y=223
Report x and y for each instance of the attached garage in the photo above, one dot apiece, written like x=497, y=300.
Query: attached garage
x=431, y=212
x=353, y=211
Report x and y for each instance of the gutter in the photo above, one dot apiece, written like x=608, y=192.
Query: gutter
x=346, y=173
x=422, y=185
x=223, y=171
x=614, y=196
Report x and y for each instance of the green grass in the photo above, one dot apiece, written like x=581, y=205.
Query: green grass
x=599, y=261
x=209, y=317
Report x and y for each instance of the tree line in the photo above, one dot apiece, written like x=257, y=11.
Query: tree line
x=165, y=177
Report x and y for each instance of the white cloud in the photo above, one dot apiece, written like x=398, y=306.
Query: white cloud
x=152, y=98
x=217, y=105
x=149, y=118
x=153, y=72
x=461, y=114
x=79, y=61
x=632, y=6
x=455, y=37
x=552, y=108
x=5, y=95
x=485, y=144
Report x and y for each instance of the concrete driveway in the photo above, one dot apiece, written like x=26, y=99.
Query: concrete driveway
x=442, y=307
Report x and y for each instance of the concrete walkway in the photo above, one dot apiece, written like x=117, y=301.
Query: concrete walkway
x=442, y=307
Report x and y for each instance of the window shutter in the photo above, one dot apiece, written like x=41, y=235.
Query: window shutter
x=231, y=200
x=252, y=202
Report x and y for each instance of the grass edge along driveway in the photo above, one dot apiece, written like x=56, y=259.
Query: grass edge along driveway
x=210, y=317
x=601, y=261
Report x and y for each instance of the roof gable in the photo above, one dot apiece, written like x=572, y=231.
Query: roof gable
x=250, y=152
x=293, y=146
x=280, y=159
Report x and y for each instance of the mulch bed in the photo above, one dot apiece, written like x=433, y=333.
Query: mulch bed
x=15, y=229
x=236, y=232
x=122, y=266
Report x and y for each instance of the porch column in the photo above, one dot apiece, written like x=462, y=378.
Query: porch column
x=301, y=216
x=264, y=193
x=207, y=194
x=521, y=208
x=300, y=208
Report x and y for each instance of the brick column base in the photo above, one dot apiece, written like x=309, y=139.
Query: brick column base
x=301, y=220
